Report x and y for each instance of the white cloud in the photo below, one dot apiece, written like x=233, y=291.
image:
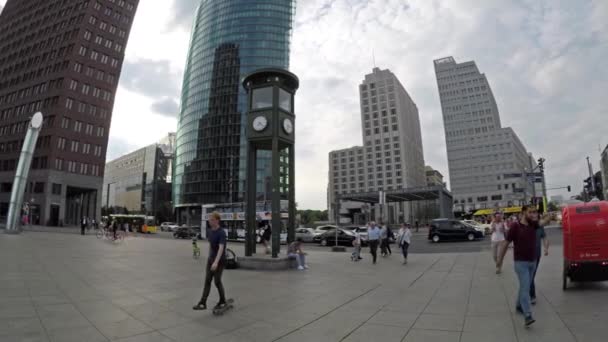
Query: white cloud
x=544, y=61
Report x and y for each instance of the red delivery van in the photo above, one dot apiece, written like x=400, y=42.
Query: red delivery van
x=585, y=229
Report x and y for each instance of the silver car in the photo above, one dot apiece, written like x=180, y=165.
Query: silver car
x=306, y=234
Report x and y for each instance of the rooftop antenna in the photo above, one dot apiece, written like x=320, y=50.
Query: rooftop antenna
x=373, y=58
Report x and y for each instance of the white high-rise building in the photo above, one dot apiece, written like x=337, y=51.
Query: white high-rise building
x=391, y=156
x=482, y=155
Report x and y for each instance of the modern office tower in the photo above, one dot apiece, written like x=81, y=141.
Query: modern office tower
x=62, y=58
x=230, y=39
x=391, y=156
x=138, y=181
x=481, y=153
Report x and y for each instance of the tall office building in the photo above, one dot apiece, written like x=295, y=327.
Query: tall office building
x=140, y=181
x=481, y=153
x=230, y=39
x=62, y=58
x=391, y=156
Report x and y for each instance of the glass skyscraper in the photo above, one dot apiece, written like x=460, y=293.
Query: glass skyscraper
x=230, y=39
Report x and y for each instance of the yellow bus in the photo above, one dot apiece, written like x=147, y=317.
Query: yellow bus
x=140, y=223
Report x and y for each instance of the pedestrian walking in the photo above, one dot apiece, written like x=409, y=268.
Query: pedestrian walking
x=266, y=236
x=294, y=250
x=383, y=239
x=404, y=238
x=541, y=241
x=356, y=255
x=83, y=225
x=215, y=263
x=417, y=226
x=498, y=229
x=523, y=236
x=373, y=238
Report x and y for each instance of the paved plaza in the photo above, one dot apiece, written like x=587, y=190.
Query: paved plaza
x=67, y=287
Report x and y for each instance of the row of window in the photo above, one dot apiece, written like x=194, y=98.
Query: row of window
x=465, y=107
x=458, y=83
x=371, y=184
x=42, y=27
x=98, y=57
x=468, y=115
x=74, y=146
x=445, y=100
x=378, y=148
x=104, y=26
x=49, y=69
x=376, y=114
x=77, y=167
x=385, y=129
x=121, y=3
x=99, y=40
x=38, y=53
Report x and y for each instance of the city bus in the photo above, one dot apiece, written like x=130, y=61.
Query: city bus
x=139, y=223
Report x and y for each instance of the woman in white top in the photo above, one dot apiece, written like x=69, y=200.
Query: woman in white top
x=404, y=239
x=498, y=229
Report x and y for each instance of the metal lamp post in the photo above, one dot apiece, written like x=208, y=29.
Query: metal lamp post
x=23, y=170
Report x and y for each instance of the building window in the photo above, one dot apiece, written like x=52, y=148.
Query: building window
x=69, y=103
x=56, y=190
x=38, y=188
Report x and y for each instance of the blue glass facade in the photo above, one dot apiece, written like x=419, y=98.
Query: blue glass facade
x=230, y=39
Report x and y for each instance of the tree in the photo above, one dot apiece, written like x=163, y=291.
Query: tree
x=552, y=206
x=308, y=217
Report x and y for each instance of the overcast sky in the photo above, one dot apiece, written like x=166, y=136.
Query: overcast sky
x=545, y=61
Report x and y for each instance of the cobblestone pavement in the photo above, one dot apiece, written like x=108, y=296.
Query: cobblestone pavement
x=67, y=287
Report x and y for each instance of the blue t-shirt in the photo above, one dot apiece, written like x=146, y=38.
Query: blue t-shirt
x=216, y=238
x=540, y=234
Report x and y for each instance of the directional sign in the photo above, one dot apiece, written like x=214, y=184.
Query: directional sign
x=512, y=175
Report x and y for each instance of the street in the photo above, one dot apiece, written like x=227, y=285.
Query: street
x=67, y=287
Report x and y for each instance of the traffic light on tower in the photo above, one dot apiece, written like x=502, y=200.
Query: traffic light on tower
x=588, y=187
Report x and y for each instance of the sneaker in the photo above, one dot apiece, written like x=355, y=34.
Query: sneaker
x=300, y=268
x=219, y=306
x=529, y=321
x=519, y=310
x=405, y=261
x=498, y=270
x=306, y=267
x=533, y=300
x=200, y=306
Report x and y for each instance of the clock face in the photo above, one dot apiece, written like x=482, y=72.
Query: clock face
x=260, y=123
x=288, y=126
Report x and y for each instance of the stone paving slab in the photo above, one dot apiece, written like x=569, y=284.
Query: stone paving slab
x=67, y=287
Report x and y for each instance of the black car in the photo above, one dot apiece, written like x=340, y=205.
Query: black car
x=184, y=233
x=345, y=237
x=453, y=230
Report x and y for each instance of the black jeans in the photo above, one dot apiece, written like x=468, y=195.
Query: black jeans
x=373, y=248
x=532, y=286
x=387, y=246
x=216, y=276
x=404, y=248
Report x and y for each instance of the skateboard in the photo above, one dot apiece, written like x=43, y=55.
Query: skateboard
x=228, y=306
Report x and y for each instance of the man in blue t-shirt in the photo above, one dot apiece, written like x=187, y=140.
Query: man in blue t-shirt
x=215, y=262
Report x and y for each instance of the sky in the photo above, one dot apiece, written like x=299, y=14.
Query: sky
x=545, y=62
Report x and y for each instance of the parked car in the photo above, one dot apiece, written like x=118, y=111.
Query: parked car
x=306, y=234
x=361, y=230
x=345, y=237
x=486, y=228
x=444, y=229
x=168, y=226
x=323, y=229
x=184, y=233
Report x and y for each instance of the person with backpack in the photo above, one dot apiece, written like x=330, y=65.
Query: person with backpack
x=385, y=234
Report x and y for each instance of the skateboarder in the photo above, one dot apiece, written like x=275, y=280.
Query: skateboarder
x=215, y=263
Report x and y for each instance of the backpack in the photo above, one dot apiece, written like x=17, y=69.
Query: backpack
x=231, y=260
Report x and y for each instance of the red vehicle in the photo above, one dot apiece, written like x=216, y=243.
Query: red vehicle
x=585, y=229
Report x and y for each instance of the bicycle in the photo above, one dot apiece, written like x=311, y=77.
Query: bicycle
x=109, y=235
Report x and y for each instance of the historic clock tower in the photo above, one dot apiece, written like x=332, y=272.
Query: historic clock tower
x=271, y=127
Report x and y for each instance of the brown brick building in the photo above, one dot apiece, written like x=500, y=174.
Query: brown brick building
x=62, y=58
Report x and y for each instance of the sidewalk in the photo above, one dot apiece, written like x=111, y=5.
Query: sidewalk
x=66, y=287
